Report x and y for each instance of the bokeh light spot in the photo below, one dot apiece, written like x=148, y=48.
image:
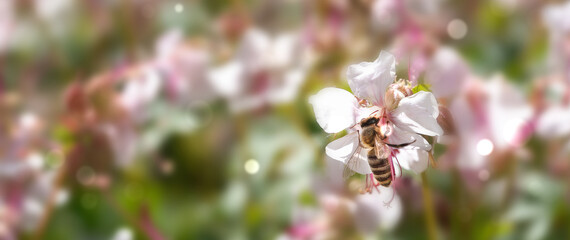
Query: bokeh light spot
x=179, y=8
x=252, y=166
x=485, y=147
x=62, y=197
x=457, y=29
x=28, y=121
x=36, y=161
x=123, y=233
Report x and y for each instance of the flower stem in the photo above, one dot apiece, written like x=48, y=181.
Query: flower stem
x=428, y=209
x=50, y=205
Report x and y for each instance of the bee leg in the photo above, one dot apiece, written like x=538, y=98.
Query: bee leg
x=374, y=182
x=400, y=145
x=367, y=188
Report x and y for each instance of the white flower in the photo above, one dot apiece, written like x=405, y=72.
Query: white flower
x=364, y=211
x=141, y=89
x=553, y=122
x=395, y=15
x=184, y=67
x=556, y=19
x=406, y=117
x=369, y=214
x=446, y=72
x=384, y=14
x=122, y=141
x=7, y=22
x=53, y=9
x=56, y=15
x=265, y=70
x=552, y=94
x=489, y=116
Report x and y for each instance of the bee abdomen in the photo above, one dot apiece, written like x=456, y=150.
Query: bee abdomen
x=381, y=170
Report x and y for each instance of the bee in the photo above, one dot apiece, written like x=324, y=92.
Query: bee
x=373, y=148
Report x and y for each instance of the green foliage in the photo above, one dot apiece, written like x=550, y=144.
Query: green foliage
x=421, y=87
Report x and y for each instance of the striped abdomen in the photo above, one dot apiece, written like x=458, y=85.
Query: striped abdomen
x=380, y=168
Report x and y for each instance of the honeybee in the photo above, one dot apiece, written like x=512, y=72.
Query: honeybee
x=371, y=135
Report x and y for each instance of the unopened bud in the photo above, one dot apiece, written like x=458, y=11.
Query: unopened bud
x=396, y=92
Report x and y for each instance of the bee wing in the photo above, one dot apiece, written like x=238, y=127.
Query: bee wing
x=380, y=149
x=354, y=162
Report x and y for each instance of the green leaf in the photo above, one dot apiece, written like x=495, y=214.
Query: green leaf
x=421, y=87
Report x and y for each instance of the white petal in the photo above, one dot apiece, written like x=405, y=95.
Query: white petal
x=292, y=82
x=168, y=43
x=508, y=113
x=335, y=109
x=228, y=79
x=371, y=212
x=418, y=113
x=333, y=179
x=554, y=122
x=399, y=136
x=446, y=72
x=369, y=80
x=343, y=149
x=414, y=160
x=555, y=17
x=284, y=51
x=141, y=90
x=383, y=15
x=468, y=157
x=255, y=51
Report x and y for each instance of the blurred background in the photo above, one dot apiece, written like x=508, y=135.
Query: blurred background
x=141, y=119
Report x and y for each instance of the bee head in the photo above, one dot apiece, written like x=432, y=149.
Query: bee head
x=369, y=121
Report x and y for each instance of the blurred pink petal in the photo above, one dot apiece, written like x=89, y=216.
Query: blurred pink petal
x=554, y=122
x=446, y=72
